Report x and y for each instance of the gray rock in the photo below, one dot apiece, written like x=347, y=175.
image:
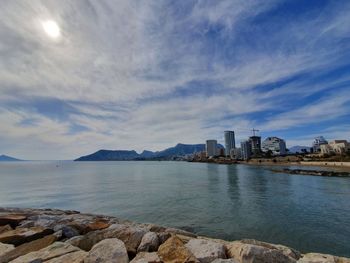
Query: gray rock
x=163, y=236
x=74, y=257
x=146, y=257
x=108, y=251
x=322, y=258
x=206, y=250
x=5, y=248
x=243, y=252
x=149, y=243
x=67, y=231
x=229, y=260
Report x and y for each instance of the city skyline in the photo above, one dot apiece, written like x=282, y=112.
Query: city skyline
x=87, y=75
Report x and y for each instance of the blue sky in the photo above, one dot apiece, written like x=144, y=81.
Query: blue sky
x=149, y=74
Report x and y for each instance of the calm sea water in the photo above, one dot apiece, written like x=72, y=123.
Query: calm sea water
x=226, y=201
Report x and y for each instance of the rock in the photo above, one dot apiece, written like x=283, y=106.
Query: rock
x=130, y=235
x=229, y=260
x=97, y=225
x=206, y=250
x=174, y=251
x=28, y=247
x=5, y=248
x=55, y=250
x=149, y=243
x=67, y=231
x=22, y=235
x=108, y=251
x=290, y=252
x=5, y=228
x=250, y=253
x=179, y=232
x=146, y=257
x=11, y=219
x=74, y=257
x=163, y=236
x=322, y=258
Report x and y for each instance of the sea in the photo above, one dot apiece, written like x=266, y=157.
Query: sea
x=308, y=213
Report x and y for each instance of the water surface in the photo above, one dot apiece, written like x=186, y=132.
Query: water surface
x=308, y=213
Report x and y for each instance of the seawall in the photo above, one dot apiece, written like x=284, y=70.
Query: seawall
x=55, y=236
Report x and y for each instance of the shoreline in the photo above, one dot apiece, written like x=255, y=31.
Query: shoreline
x=56, y=236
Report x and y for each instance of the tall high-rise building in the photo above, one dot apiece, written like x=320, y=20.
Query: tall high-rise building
x=211, y=148
x=255, y=142
x=274, y=144
x=229, y=142
x=246, y=150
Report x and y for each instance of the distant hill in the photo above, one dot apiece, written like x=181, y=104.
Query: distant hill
x=124, y=155
x=298, y=148
x=5, y=158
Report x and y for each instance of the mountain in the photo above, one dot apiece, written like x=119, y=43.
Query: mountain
x=298, y=148
x=167, y=154
x=5, y=158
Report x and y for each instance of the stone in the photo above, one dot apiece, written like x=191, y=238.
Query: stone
x=322, y=258
x=250, y=253
x=149, y=243
x=290, y=252
x=11, y=219
x=5, y=228
x=174, y=251
x=179, y=232
x=99, y=224
x=130, y=235
x=146, y=257
x=111, y=250
x=28, y=247
x=55, y=250
x=22, y=235
x=5, y=248
x=206, y=250
x=228, y=260
x=74, y=257
x=163, y=236
x=67, y=231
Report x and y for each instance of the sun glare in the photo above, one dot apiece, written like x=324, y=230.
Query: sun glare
x=51, y=28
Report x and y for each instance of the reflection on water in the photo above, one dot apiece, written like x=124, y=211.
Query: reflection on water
x=227, y=201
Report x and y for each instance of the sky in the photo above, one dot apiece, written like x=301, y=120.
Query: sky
x=132, y=74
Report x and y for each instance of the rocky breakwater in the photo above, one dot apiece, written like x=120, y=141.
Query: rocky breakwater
x=55, y=236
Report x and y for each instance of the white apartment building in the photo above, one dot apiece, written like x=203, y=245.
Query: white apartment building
x=335, y=147
x=274, y=144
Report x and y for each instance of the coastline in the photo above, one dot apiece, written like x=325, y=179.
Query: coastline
x=52, y=235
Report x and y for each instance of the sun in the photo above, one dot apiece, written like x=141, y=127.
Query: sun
x=51, y=29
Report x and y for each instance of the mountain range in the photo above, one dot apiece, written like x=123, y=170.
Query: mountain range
x=6, y=158
x=126, y=155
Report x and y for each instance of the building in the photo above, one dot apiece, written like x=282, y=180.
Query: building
x=246, y=150
x=229, y=141
x=236, y=154
x=318, y=141
x=255, y=142
x=211, y=148
x=274, y=144
x=335, y=147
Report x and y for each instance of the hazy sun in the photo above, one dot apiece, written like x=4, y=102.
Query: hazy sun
x=51, y=28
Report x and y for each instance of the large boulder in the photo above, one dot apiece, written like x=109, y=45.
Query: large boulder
x=74, y=257
x=250, y=253
x=228, y=260
x=5, y=248
x=174, y=251
x=110, y=250
x=130, y=235
x=67, y=231
x=5, y=228
x=146, y=257
x=322, y=258
x=206, y=250
x=149, y=243
x=22, y=235
x=11, y=219
x=55, y=250
x=28, y=247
